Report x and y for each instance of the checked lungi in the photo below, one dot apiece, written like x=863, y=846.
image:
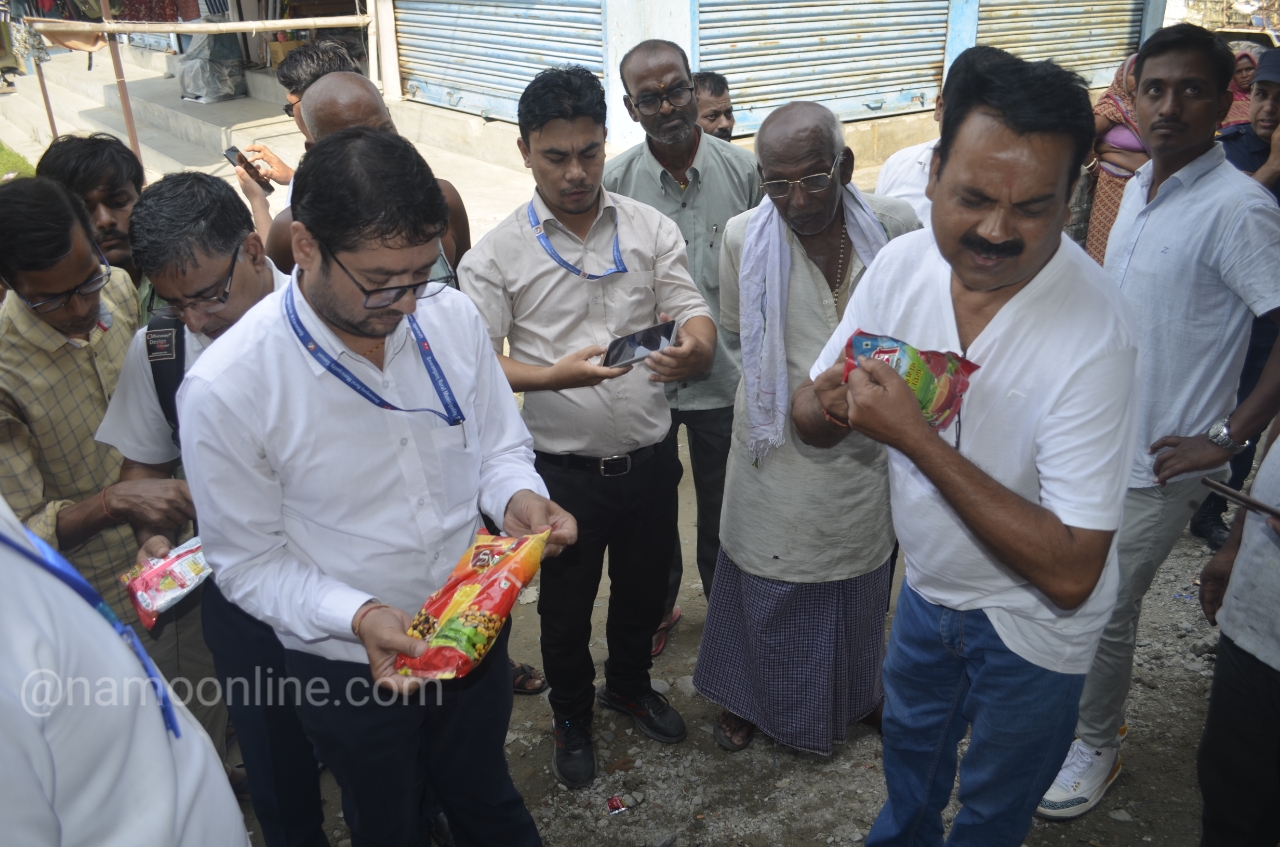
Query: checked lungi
x=801, y=661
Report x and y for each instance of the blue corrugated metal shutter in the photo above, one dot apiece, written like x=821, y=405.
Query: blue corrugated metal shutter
x=863, y=60
x=1091, y=39
x=478, y=57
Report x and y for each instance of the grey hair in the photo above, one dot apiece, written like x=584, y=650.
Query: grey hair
x=183, y=214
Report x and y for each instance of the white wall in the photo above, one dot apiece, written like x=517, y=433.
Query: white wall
x=627, y=23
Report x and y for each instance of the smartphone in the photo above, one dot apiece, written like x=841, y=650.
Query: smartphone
x=235, y=157
x=637, y=346
x=1242, y=499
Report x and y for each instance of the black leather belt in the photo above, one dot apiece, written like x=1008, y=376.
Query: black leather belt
x=606, y=466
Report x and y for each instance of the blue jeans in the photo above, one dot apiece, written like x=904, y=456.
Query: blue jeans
x=948, y=671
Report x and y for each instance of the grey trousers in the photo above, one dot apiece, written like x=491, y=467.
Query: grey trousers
x=1153, y=519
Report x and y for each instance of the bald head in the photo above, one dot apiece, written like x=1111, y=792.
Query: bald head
x=799, y=131
x=342, y=100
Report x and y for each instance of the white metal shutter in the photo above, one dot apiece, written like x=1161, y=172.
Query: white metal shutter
x=478, y=57
x=863, y=59
x=1091, y=39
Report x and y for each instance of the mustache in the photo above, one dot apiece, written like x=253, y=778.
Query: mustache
x=111, y=233
x=1004, y=250
x=585, y=186
x=1168, y=125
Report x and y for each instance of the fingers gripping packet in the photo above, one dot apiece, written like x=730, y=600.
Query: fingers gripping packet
x=461, y=621
x=157, y=587
x=938, y=379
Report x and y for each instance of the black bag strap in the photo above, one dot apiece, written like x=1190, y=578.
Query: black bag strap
x=166, y=351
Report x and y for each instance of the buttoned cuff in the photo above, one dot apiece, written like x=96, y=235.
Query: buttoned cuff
x=338, y=608
x=44, y=523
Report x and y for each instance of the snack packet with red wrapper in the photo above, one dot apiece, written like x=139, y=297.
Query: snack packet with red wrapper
x=938, y=379
x=461, y=621
x=158, y=586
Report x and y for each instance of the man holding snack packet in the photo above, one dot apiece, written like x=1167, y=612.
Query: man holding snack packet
x=560, y=278
x=1007, y=511
x=341, y=441
x=194, y=239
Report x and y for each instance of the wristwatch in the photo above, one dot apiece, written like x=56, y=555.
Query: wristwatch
x=1220, y=435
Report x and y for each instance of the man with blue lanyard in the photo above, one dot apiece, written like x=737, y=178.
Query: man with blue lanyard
x=566, y=273
x=341, y=442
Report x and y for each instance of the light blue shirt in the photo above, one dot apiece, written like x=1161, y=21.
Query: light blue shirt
x=1248, y=615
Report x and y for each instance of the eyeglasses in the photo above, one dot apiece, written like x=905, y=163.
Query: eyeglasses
x=288, y=108
x=651, y=104
x=57, y=301
x=203, y=305
x=780, y=188
x=381, y=298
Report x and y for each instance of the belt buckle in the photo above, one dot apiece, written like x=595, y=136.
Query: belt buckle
x=615, y=465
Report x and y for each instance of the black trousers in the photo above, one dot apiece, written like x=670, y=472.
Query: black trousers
x=284, y=779
x=710, y=433
x=633, y=517
x=388, y=752
x=1238, y=762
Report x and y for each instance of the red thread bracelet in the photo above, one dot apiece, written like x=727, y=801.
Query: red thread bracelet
x=102, y=496
x=355, y=629
x=838, y=423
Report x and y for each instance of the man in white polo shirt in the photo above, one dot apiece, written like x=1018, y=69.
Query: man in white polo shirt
x=1006, y=514
x=194, y=240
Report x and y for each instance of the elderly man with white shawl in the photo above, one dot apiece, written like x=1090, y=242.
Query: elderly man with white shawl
x=794, y=634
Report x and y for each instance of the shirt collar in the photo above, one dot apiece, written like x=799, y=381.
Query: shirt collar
x=30, y=328
x=1190, y=173
x=546, y=216
x=331, y=343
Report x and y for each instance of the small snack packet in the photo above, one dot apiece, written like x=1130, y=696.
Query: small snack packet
x=464, y=617
x=158, y=586
x=938, y=379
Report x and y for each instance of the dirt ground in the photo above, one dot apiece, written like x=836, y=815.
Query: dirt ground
x=694, y=793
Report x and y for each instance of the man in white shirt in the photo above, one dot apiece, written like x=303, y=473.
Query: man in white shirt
x=1193, y=253
x=341, y=442
x=90, y=756
x=1007, y=513
x=561, y=277
x=905, y=174
x=195, y=240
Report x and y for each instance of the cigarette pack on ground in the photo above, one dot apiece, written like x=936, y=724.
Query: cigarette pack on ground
x=938, y=379
x=461, y=621
x=158, y=586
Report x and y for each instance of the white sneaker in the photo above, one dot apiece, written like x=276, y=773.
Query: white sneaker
x=1085, y=777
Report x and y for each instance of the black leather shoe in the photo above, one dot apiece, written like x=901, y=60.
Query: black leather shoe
x=441, y=835
x=1217, y=537
x=654, y=715
x=573, y=760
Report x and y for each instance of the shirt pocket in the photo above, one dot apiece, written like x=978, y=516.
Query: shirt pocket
x=631, y=302
x=457, y=449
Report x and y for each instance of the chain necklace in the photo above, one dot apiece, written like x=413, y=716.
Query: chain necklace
x=840, y=263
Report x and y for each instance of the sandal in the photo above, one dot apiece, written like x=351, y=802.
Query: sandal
x=724, y=737
x=660, y=637
x=520, y=676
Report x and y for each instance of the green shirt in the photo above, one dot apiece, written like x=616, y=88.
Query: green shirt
x=723, y=183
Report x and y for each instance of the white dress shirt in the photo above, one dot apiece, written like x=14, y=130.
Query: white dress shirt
x=134, y=423
x=905, y=175
x=1194, y=266
x=87, y=758
x=312, y=500
x=545, y=313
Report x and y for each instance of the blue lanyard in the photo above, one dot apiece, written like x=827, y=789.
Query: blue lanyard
x=453, y=412
x=618, y=266
x=53, y=563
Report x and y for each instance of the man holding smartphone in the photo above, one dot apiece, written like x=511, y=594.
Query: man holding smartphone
x=562, y=276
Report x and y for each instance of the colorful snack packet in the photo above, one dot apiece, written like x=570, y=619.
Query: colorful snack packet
x=158, y=586
x=463, y=618
x=938, y=379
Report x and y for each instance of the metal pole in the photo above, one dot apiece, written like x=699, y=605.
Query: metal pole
x=44, y=92
x=125, y=107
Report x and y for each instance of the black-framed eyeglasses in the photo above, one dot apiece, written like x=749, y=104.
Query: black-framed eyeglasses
x=651, y=104
x=204, y=305
x=89, y=286
x=381, y=298
x=780, y=188
x=288, y=108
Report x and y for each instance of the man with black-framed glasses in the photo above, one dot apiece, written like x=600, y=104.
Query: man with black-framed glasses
x=342, y=442
x=700, y=182
x=64, y=331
